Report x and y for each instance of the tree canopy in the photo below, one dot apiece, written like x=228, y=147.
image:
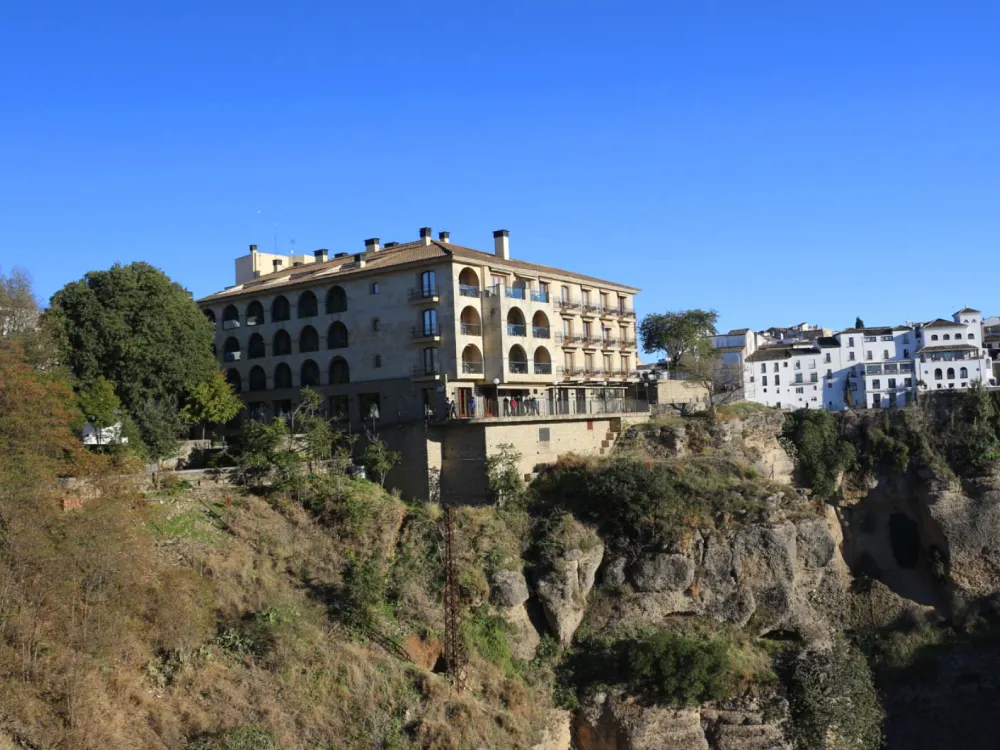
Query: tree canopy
x=213, y=402
x=135, y=327
x=677, y=333
x=858, y=322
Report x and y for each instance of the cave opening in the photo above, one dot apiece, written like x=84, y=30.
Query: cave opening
x=904, y=536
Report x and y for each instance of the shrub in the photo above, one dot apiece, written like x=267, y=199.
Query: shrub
x=364, y=592
x=486, y=634
x=822, y=454
x=833, y=699
x=673, y=669
x=502, y=476
x=245, y=738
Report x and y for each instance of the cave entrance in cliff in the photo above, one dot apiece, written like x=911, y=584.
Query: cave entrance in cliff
x=904, y=536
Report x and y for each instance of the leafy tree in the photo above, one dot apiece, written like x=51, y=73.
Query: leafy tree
x=21, y=323
x=163, y=425
x=137, y=328
x=502, y=476
x=673, y=669
x=974, y=443
x=703, y=365
x=100, y=405
x=676, y=333
x=309, y=422
x=213, y=402
x=822, y=454
x=257, y=451
x=378, y=459
x=859, y=323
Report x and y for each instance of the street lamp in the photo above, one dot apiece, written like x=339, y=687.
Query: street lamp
x=496, y=386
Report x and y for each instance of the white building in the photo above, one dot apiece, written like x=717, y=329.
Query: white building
x=871, y=367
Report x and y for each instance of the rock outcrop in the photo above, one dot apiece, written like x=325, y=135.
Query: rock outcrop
x=563, y=589
x=509, y=594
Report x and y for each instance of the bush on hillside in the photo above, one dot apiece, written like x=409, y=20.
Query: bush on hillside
x=673, y=669
x=822, y=453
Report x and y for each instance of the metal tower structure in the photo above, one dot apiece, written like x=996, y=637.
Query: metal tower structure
x=454, y=648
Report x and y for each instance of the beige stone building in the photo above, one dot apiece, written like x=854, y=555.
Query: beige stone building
x=393, y=331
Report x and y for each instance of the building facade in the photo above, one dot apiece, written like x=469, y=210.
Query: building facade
x=871, y=367
x=393, y=331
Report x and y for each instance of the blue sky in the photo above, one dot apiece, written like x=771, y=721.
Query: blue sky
x=778, y=162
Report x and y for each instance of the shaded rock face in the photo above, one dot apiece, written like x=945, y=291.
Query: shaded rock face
x=783, y=575
x=508, y=588
x=620, y=723
x=509, y=594
x=563, y=589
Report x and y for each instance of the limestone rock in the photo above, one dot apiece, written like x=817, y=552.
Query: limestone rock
x=556, y=735
x=621, y=723
x=815, y=543
x=614, y=572
x=563, y=589
x=524, y=638
x=508, y=589
x=663, y=572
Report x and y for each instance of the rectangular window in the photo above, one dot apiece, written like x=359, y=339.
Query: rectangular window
x=567, y=327
x=908, y=382
x=829, y=373
x=892, y=382
x=799, y=390
x=588, y=361
x=850, y=356
x=339, y=408
x=621, y=304
x=827, y=359
x=812, y=364
x=378, y=361
x=374, y=288
x=585, y=296
x=586, y=329
x=869, y=339
x=376, y=326
x=906, y=353
x=885, y=354
x=775, y=366
x=813, y=377
x=850, y=341
x=887, y=338
x=876, y=384
x=798, y=377
x=906, y=338
x=543, y=434
x=869, y=355
x=370, y=405
x=763, y=366
x=625, y=364
x=568, y=360
x=777, y=380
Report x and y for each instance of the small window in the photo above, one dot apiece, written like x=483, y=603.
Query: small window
x=798, y=365
x=777, y=380
x=827, y=357
x=378, y=360
x=934, y=337
x=958, y=335
x=887, y=338
x=876, y=384
x=906, y=353
x=543, y=434
x=906, y=338
x=850, y=341
x=763, y=380
x=946, y=337
x=885, y=354
x=799, y=390
x=376, y=325
x=374, y=289
x=869, y=355
x=850, y=356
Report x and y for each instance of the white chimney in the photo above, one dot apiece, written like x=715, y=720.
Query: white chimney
x=425, y=235
x=501, y=244
x=371, y=245
x=277, y=265
x=320, y=255
x=359, y=258
x=445, y=237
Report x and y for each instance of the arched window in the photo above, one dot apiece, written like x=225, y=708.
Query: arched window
x=472, y=360
x=937, y=374
x=340, y=373
x=540, y=325
x=234, y=379
x=519, y=289
x=308, y=307
x=309, y=375
x=515, y=323
x=336, y=300
x=543, y=361
x=934, y=337
x=231, y=350
x=946, y=337
x=255, y=314
x=282, y=376
x=958, y=335
x=963, y=373
x=210, y=315
x=951, y=373
x=517, y=361
x=308, y=340
x=258, y=378
x=471, y=322
x=336, y=336
x=428, y=284
x=280, y=309
x=468, y=283
x=431, y=361
x=256, y=348
x=282, y=344
x=429, y=321
x=230, y=317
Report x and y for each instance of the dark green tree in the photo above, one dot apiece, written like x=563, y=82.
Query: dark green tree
x=677, y=333
x=858, y=322
x=162, y=427
x=212, y=402
x=137, y=328
x=822, y=453
x=100, y=404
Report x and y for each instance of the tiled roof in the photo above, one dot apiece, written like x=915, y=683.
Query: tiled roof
x=827, y=341
x=738, y=332
x=967, y=310
x=942, y=323
x=771, y=353
x=410, y=252
x=880, y=331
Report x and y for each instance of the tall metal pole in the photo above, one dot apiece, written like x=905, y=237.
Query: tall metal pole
x=454, y=650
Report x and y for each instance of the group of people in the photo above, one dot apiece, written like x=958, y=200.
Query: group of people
x=516, y=407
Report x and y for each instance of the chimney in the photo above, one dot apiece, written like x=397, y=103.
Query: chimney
x=359, y=258
x=425, y=235
x=253, y=248
x=256, y=274
x=277, y=265
x=501, y=244
x=445, y=237
x=320, y=255
x=371, y=245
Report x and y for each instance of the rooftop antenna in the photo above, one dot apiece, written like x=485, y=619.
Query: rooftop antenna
x=292, y=243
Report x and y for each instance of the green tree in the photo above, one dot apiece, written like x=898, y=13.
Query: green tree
x=858, y=322
x=212, y=402
x=137, y=328
x=674, y=669
x=257, y=451
x=677, y=333
x=21, y=324
x=100, y=405
x=163, y=426
x=703, y=364
x=822, y=453
x=309, y=422
x=502, y=476
x=378, y=459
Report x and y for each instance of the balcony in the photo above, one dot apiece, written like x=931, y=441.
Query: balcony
x=568, y=339
x=890, y=368
x=540, y=333
x=426, y=370
x=468, y=291
x=471, y=329
x=254, y=320
x=425, y=294
x=566, y=303
x=592, y=340
x=472, y=368
x=514, y=329
x=517, y=368
x=609, y=343
x=232, y=356
x=539, y=296
x=590, y=309
x=543, y=368
x=626, y=343
x=421, y=333
x=228, y=325
x=514, y=292
x=873, y=369
x=906, y=367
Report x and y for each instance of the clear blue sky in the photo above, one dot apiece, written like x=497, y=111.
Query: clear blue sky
x=778, y=162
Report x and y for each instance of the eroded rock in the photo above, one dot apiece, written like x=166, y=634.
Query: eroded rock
x=663, y=572
x=563, y=589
